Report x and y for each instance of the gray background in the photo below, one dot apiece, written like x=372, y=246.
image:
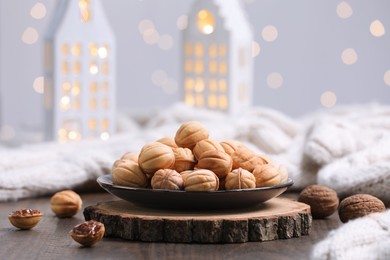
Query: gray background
x=307, y=53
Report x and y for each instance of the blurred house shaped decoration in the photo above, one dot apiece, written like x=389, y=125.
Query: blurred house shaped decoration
x=79, y=73
x=217, y=56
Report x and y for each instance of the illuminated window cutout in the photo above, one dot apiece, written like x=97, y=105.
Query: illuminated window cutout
x=93, y=50
x=189, y=84
x=223, y=102
x=76, y=68
x=76, y=104
x=199, y=49
x=65, y=103
x=92, y=104
x=66, y=87
x=76, y=50
x=199, y=85
x=105, y=123
x=85, y=12
x=65, y=49
x=84, y=3
x=189, y=100
x=74, y=135
x=105, y=86
x=188, y=49
x=222, y=50
x=105, y=68
x=76, y=88
x=93, y=68
x=105, y=103
x=92, y=123
x=199, y=101
x=104, y=136
x=93, y=87
x=199, y=67
x=205, y=21
x=188, y=66
x=213, y=86
x=103, y=52
x=65, y=68
x=213, y=67
x=222, y=85
x=213, y=50
x=212, y=101
x=222, y=68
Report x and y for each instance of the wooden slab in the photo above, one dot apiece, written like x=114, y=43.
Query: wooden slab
x=276, y=219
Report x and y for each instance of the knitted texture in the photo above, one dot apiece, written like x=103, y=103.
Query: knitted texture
x=364, y=238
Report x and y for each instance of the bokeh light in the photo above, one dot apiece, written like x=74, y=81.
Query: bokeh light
x=344, y=10
x=30, y=35
x=328, y=99
x=269, y=33
x=38, y=11
x=274, y=80
x=349, y=56
x=377, y=29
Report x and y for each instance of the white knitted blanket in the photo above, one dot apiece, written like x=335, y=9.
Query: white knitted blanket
x=347, y=149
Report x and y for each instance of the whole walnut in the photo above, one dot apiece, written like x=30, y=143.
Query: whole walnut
x=190, y=133
x=184, y=174
x=155, y=156
x=168, y=141
x=131, y=156
x=359, y=205
x=129, y=174
x=240, y=179
x=267, y=175
x=283, y=174
x=245, y=158
x=184, y=159
x=323, y=201
x=65, y=203
x=201, y=180
x=167, y=179
x=218, y=162
x=230, y=147
x=206, y=145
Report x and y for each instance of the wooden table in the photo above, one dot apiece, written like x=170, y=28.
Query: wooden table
x=50, y=240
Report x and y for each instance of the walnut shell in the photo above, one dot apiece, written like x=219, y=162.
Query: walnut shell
x=245, y=158
x=267, y=175
x=283, y=174
x=230, y=146
x=218, y=162
x=323, y=201
x=168, y=141
x=206, y=145
x=184, y=159
x=184, y=174
x=240, y=179
x=25, y=218
x=65, y=203
x=131, y=156
x=155, y=156
x=359, y=205
x=201, y=180
x=167, y=179
x=190, y=133
x=128, y=173
x=88, y=232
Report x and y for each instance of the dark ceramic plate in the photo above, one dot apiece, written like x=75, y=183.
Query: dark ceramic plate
x=172, y=199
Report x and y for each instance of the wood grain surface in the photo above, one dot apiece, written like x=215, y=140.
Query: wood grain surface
x=276, y=219
x=50, y=240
